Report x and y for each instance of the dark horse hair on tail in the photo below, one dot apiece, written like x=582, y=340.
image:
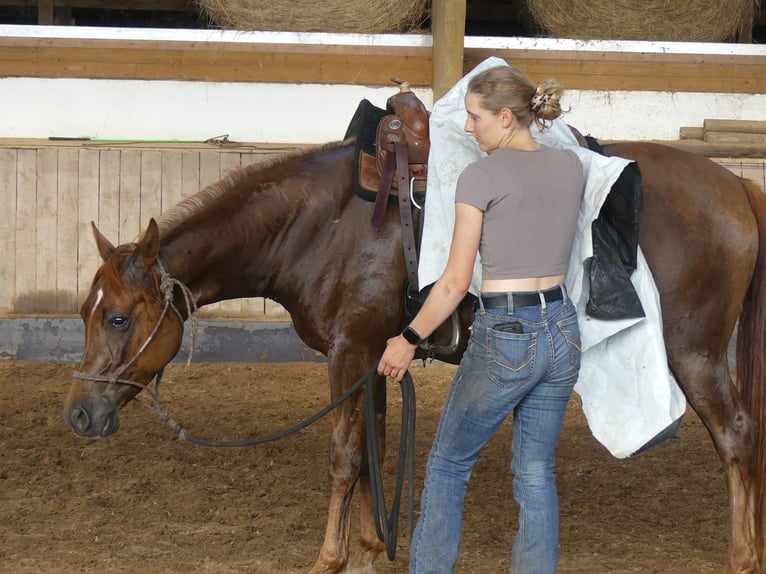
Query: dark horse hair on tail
x=751, y=361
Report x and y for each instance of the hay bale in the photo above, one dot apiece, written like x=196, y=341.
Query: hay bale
x=683, y=20
x=351, y=16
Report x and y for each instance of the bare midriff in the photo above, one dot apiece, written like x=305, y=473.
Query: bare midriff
x=519, y=285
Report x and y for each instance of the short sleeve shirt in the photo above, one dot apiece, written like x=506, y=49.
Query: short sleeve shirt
x=531, y=202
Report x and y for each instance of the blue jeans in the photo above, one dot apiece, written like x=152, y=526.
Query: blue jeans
x=530, y=375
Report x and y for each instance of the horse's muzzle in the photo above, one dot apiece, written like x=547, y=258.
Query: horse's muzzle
x=92, y=420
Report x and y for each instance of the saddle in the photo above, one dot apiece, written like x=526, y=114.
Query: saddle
x=392, y=154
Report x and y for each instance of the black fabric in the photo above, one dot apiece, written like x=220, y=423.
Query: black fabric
x=615, y=251
x=363, y=126
x=593, y=144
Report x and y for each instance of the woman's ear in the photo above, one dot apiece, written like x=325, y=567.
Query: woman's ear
x=506, y=117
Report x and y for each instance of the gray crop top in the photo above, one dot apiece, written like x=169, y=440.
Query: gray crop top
x=531, y=201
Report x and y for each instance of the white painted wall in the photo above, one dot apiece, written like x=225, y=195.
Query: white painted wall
x=313, y=113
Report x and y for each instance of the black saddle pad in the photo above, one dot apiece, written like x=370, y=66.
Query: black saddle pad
x=363, y=127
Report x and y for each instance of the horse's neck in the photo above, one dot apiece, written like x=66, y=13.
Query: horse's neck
x=242, y=250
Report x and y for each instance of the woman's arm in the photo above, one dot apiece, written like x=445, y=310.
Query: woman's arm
x=446, y=294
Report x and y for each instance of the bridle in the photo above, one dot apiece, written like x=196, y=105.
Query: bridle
x=167, y=288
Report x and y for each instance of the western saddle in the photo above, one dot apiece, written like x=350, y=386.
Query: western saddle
x=398, y=160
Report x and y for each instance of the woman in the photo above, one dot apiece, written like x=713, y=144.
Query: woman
x=518, y=208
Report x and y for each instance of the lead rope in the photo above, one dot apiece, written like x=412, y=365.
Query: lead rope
x=386, y=525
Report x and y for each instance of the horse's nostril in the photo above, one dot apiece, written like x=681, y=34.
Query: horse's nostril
x=109, y=424
x=79, y=419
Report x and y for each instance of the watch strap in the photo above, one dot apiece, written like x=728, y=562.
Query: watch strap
x=412, y=336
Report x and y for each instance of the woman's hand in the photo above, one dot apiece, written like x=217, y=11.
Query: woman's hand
x=396, y=358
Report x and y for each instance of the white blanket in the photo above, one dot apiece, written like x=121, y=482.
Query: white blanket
x=627, y=391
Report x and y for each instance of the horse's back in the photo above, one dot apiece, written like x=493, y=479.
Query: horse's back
x=699, y=235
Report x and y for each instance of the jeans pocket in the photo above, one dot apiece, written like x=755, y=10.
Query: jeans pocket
x=571, y=332
x=510, y=357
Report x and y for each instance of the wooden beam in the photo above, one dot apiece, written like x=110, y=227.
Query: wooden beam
x=448, y=30
x=159, y=6
x=371, y=64
x=604, y=70
x=738, y=126
x=228, y=62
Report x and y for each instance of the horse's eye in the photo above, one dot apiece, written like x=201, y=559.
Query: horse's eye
x=118, y=322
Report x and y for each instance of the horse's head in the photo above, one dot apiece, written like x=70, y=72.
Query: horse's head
x=130, y=334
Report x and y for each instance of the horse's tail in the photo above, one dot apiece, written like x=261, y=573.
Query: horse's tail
x=751, y=362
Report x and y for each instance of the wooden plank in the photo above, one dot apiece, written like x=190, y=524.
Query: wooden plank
x=109, y=194
x=172, y=183
x=735, y=126
x=140, y=145
x=87, y=207
x=165, y=5
x=130, y=195
x=151, y=187
x=190, y=173
x=26, y=230
x=634, y=71
x=46, y=215
x=251, y=65
x=274, y=310
x=8, y=160
x=66, y=232
x=369, y=65
x=691, y=133
x=209, y=168
x=734, y=138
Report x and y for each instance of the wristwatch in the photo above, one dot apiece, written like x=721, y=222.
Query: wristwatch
x=412, y=336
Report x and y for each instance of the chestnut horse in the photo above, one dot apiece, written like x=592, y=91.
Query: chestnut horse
x=294, y=231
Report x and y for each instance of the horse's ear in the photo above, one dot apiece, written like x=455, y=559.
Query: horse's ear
x=105, y=247
x=149, y=244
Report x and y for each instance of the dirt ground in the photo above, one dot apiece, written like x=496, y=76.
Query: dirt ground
x=143, y=501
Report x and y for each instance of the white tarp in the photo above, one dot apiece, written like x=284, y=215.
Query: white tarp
x=627, y=391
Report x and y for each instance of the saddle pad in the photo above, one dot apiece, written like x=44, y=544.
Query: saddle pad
x=363, y=127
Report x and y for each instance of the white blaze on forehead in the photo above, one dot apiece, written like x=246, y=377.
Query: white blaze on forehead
x=99, y=297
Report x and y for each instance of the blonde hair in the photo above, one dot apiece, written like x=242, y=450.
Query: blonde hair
x=508, y=87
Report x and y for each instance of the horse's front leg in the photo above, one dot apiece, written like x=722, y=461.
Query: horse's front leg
x=346, y=454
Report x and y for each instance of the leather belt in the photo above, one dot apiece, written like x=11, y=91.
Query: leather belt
x=500, y=300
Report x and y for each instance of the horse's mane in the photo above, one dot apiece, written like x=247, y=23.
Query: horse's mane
x=231, y=182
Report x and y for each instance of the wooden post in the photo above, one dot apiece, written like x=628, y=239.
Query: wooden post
x=45, y=12
x=448, y=29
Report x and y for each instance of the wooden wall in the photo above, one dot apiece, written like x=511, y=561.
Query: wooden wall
x=50, y=194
